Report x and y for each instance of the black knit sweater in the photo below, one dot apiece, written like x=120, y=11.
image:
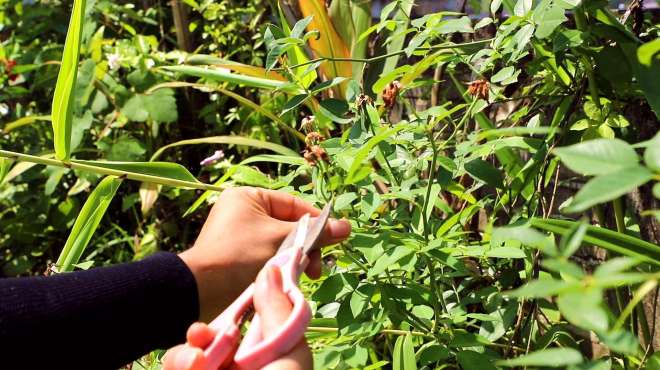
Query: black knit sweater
x=97, y=319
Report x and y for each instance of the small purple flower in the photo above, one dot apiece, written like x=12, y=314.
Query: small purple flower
x=218, y=155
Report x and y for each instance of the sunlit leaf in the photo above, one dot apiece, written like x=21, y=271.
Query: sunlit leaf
x=88, y=220
x=62, y=108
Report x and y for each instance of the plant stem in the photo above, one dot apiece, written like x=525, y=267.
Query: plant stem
x=428, y=187
x=107, y=171
x=619, y=213
x=582, y=25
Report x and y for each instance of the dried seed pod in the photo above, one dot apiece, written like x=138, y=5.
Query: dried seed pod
x=307, y=123
x=479, y=89
x=390, y=93
x=363, y=100
x=313, y=138
x=320, y=153
x=309, y=157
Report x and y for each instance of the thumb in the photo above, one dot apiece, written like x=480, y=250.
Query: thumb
x=270, y=301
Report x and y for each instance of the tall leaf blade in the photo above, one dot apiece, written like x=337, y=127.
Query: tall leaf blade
x=167, y=170
x=62, y=109
x=329, y=44
x=224, y=75
x=88, y=220
x=230, y=140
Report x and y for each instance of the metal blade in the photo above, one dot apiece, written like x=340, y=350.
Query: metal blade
x=316, y=228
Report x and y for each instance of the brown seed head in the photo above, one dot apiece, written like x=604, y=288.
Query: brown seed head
x=390, y=93
x=479, y=89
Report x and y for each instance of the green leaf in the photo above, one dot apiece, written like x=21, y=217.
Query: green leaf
x=5, y=165
x=229, y=140
x=87, y=222
x=63, y=98
x=567, y=39
x=525, y=235
x=471, y=360
x=503, y=74
x=462, y=24
x=604, y=188
x=364, y=151
x=224, y=75
x=620, y=341
x=166, y=170
x=404, y=353
x=647, y=52
x=598, y=157
x=485, y=172
x=544, y=288
x=583, y=309
x=652, y=154
x=549, y=19
x=573, y=239
x=159, y=106
x=505, y=252
x=551, y=357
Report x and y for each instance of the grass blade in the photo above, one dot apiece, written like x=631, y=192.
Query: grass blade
x=23, y=122
x=232, y=140
x=620, y=243
x=224, y=75
x=86, y=223
x=62, y=109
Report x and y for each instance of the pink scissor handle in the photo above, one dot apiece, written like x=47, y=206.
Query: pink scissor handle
x=254, y=351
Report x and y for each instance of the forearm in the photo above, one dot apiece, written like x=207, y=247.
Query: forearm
x=102, y=318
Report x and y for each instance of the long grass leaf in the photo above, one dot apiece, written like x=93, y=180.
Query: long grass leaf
x=86, y=223
x=231, y=140
x=329, y=44
x=241, y=68
x=24, y=121
x=620, y=243
x=225, y=75
x=62, y=109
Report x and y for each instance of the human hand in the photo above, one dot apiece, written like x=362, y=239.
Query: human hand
x=272, y=305
x=243, y=230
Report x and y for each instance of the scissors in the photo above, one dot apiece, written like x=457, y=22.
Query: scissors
x=254, y=351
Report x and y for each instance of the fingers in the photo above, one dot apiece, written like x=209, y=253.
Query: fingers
x=270, y=302
x=184, y=357
x=313, y=269
x=300, y=358
x=199, y=335
x=335, y=231
x=285, y=207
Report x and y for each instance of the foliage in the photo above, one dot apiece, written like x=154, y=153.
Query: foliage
x=448, y=152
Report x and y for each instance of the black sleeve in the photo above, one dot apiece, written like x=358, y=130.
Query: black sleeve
x=98, y=319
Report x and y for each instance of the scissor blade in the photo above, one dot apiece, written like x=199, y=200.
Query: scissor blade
x=312, y=233
x=316, y=228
